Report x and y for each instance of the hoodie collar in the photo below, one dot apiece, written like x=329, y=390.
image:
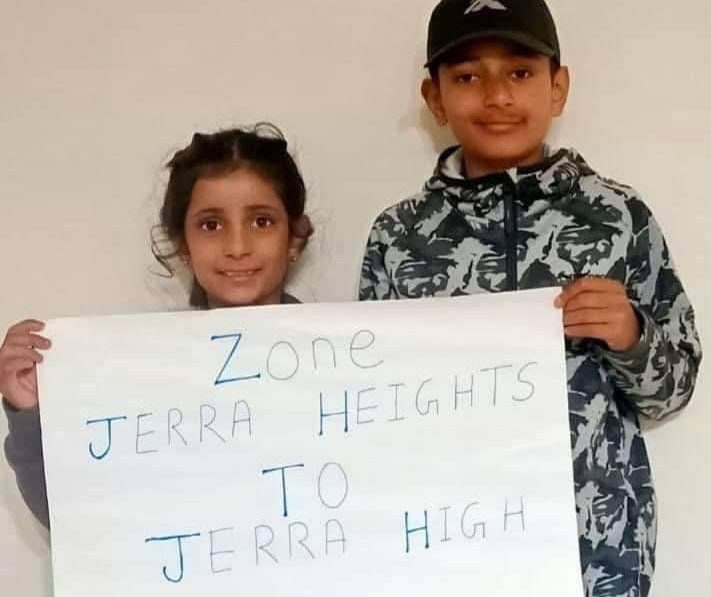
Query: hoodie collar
x=547, y=181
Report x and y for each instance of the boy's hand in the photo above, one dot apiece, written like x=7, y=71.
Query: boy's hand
x=599, y=308
x=18, y=363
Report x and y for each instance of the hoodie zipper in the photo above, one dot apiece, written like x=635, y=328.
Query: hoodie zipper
x=511, y=230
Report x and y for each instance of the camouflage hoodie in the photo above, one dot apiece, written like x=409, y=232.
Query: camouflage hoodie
x=543, y=226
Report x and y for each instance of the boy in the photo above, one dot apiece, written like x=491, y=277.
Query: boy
x=502, y=212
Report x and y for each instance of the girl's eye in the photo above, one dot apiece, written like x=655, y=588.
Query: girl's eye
x=263, y=221
x=210, y=225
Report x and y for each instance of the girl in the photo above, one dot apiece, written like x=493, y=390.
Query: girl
x=233, y=213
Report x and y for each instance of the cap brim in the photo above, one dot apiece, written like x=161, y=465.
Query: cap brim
x=514, y=36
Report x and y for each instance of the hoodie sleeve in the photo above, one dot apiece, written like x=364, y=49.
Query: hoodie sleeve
x=375, y=282
x=659, y=373
x=23, y=450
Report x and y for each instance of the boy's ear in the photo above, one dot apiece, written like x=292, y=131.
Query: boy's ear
x=561, y=87
x=433, y=98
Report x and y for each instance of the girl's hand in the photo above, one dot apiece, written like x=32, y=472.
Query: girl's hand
x=18, y=363
x=599, y=308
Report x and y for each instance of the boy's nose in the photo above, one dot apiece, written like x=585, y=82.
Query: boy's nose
x=497, y=91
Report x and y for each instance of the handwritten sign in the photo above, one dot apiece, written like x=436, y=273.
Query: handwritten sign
x=414, y=447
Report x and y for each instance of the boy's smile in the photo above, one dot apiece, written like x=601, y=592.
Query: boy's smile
x=499, y=101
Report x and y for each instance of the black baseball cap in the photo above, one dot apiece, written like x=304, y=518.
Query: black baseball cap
x=525, y=22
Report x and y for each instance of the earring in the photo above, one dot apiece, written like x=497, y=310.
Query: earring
x=293, y=258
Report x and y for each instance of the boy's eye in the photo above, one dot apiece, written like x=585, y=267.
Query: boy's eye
x=210, y=225
x=465, y=78
x=522, y=73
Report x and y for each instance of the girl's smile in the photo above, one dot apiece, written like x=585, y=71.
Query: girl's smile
x=237, y=239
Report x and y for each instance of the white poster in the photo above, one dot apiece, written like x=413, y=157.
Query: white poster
x=411, y=447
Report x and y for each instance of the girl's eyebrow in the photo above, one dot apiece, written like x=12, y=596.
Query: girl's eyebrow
x=219, y=211
x=260, y=207
x=209, y=211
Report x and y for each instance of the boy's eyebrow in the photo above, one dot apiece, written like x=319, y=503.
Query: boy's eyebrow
x=464, y=60
x=512, y=56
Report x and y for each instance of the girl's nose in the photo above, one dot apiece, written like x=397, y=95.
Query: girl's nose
x=237, y=243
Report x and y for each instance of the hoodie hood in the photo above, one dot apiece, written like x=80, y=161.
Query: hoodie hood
x=536, y=187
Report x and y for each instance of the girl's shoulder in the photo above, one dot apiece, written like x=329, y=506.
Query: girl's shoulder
x=288, y=299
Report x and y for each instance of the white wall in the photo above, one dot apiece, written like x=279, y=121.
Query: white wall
x=94, y=97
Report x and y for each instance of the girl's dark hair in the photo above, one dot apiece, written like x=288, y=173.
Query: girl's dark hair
x=261, y=148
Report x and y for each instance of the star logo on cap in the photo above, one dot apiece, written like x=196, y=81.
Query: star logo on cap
x=478, y=5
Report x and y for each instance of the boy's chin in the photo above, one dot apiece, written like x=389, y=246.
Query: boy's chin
x=499, y=159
